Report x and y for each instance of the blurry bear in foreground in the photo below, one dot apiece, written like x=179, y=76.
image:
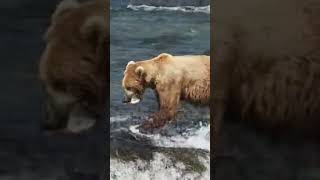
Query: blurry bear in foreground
x=266, y=65
x=73, y=66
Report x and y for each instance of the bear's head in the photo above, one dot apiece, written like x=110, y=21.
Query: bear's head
x=133, y=82
x=140, y=75
x=73, y=66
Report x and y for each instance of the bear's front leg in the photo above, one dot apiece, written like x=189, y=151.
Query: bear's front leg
x=168, y=99
x=158, y=119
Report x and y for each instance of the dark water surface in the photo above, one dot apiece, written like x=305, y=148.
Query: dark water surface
x=138, y=35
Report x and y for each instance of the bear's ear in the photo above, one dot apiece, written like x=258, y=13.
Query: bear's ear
x=130, y=62
x=140, y=71
x=64, y=6
x=94, y=30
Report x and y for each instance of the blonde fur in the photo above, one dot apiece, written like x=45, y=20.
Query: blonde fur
x=173, y=78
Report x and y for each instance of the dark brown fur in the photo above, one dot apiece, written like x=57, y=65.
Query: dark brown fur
x=73, y=67
x=266, y=64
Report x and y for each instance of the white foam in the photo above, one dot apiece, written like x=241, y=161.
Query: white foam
x=159, y=168
x=199, y=138
x=193, y=138
x=192, y=9
x=119, y=118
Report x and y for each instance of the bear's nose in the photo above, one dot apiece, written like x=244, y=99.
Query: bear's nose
x=125, y=99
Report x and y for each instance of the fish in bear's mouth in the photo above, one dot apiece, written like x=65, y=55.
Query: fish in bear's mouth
x=132, y=100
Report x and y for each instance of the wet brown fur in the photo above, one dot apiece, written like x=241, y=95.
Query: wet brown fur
x=73, y=66
x=173, y=78
x=266, y=65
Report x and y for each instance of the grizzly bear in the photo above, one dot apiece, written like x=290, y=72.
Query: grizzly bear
x=266, y=66
x=173, y=78
x=73, y=66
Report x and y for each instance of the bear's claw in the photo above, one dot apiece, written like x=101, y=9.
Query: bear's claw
x=146, y=128
x=154, y=123
x=150, y=127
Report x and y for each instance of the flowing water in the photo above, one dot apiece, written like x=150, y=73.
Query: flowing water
x=140, y=30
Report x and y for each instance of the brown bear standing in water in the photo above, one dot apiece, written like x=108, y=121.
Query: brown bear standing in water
x=73, y=66
x=266, y=64
x=173, y=78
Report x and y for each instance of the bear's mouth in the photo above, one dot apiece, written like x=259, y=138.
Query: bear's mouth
x=131, y=100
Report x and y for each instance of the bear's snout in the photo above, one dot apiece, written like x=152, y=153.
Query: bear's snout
x=126, y=99
x=132, y=100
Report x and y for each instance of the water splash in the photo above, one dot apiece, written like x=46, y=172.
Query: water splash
x=161, y=167
x=187, y=9
x=199, y=139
